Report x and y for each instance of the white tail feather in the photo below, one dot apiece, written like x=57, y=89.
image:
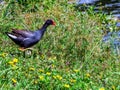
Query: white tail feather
x=12, y=36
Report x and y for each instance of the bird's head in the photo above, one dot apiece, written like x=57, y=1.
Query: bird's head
x=50, y=22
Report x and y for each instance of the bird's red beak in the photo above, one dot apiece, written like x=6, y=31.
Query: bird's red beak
x=53, y=23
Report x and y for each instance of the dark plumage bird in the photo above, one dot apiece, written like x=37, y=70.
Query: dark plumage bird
x=26, y=39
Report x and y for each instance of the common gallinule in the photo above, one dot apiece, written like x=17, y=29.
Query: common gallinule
x=26, y=39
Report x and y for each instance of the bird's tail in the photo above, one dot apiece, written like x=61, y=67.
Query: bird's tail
x=10, y=35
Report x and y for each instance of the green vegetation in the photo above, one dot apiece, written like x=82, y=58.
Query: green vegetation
x=69, y=56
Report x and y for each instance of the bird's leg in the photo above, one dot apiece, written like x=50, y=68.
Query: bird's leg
x=23, y=50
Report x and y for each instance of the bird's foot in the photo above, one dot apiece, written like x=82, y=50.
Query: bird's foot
x=22, y=49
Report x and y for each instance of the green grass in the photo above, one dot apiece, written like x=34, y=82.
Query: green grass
x=69, y=56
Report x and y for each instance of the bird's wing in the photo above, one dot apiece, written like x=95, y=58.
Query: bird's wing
x=23, y=33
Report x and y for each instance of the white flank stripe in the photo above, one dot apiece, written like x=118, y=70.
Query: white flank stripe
x=12, y=36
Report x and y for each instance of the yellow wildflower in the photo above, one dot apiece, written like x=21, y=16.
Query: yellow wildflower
x=59, y=77
x=88, y=75
x=3, y=54
x=48, y=73
x=76, y=70
x=15, y=60
x=13, y=80
x=31, y=69
x=67, y=86
x=41, y=70
x=72, y=80
x=102, y=88
x=41, y=77
x=54, y=77
x=11, y=63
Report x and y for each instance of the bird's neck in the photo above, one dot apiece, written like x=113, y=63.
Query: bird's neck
x=44, y=27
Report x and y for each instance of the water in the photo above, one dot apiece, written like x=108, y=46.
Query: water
x=112, y=39
x=109, y=7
